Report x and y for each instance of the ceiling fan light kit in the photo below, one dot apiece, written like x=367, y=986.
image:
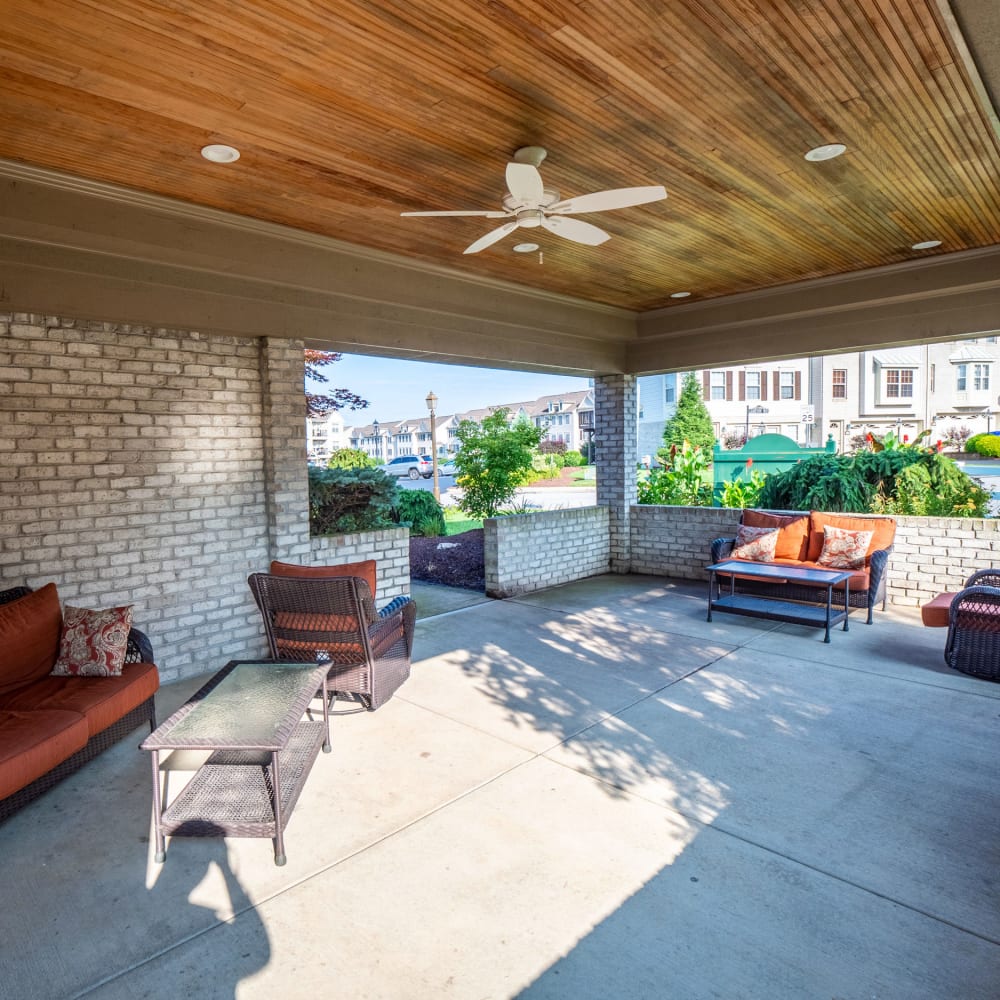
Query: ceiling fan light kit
x=531, y=205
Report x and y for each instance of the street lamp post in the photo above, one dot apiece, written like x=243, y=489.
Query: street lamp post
x=431, y=401
x=752, y=409
x=378, y=440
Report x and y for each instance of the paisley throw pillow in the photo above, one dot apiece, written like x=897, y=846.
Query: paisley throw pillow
x=844, y=549
x=755, y=544
x=93, y=642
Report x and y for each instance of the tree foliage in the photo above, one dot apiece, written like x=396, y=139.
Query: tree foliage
x=493, y=459
x=346, y=500
x=691, y=422
x=320, y=404
x=350, y=458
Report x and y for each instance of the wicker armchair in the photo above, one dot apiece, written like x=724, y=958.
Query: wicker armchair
x=310, y=617
x=973, y=642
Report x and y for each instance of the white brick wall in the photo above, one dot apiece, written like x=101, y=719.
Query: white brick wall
x=159, y=468
x=929, y=554
x=615, y=410
x=527, y=552
x=390, y=547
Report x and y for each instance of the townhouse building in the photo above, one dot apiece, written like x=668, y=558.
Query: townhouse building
x=906, y=390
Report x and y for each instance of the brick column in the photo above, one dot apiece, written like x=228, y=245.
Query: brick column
x=286, y=483
x=615, y=413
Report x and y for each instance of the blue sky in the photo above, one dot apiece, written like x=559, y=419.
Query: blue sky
x=397, y=389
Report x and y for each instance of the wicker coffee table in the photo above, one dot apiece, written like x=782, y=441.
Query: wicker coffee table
x=822, y=614
x=250, y=716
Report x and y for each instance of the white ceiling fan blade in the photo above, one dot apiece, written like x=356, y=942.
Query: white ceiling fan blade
x=603, y=201
x=484, y=215
x=494, y=236
x=575, y=230
x=525, y=183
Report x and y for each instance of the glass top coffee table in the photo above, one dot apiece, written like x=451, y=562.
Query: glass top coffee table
x=821, y=614
x=250, y=716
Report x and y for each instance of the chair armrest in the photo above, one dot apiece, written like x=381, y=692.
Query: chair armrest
x=878, y=566
x=138, y=648
x=6, y=596
x=401, y=611
x=722, y=548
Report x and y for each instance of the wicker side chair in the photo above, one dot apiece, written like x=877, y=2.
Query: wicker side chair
x=973, y=642
x=309, y=618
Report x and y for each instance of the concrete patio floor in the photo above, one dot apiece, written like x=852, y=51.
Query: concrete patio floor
x=587, y=792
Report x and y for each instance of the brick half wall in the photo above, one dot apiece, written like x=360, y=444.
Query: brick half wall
x=390, y=548
x=930, y=554
x=527, y=552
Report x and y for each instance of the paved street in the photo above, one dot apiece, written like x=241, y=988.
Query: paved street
x=537, y=497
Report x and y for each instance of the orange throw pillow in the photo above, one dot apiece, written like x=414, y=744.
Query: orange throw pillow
x=793, y=533
x=30, y=628
x=365, y=570
x=883, y=530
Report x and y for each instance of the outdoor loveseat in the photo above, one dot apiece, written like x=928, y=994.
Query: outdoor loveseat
x=50, y=726
x=800, y=542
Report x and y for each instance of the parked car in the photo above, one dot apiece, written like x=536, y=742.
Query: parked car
x=447, y=468
x=412, y=466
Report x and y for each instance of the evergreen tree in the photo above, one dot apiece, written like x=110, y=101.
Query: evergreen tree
x=690, y=422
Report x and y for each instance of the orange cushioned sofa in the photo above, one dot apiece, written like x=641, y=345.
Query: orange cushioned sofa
x=800, y=543
x=50, y=726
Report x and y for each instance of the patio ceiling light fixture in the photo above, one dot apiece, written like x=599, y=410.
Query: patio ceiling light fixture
x=926, y=245
x=827, y=152
x=680, y=295
x=217, y=152
x=526, y=248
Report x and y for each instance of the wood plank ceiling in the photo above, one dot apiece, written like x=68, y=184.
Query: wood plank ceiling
x=348, y=113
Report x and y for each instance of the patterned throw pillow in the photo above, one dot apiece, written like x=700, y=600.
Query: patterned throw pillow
x=844, y=549
x=93, y=642
x=755, y=544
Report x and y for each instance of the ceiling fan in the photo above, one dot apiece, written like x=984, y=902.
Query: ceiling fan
x=529, y=204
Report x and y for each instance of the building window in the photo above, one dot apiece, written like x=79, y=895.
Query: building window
x=898, y=383
x=669, y=393
x=787, y=385
x=718, y=385
x=840, y=383
x=981, y=377
x=961, y=377
x=753, y=385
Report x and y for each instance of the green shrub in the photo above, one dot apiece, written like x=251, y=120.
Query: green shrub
x=743, y=492
x=346, y=500
x=972, y=444
x=906, y=480
x=987, y=445
x=574, y=458
x=681, y=482
x=350, y=458
x=420, y=511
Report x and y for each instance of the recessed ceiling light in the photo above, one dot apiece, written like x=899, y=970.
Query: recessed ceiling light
x=825, y=152
x=525, y=248
x=679, y=295
x=219, y=153
x=926, y=245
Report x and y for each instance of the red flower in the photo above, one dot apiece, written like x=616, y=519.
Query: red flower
x=749, y=462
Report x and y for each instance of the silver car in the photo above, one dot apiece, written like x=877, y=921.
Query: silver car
x=411, y=466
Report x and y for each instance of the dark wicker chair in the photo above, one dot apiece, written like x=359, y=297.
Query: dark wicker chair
x=973, y=642
x=309, y=617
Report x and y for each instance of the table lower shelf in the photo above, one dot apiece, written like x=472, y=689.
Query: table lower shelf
x=231, y=794
x=778, y=610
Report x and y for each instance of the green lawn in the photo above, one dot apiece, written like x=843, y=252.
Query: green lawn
x=456, y=522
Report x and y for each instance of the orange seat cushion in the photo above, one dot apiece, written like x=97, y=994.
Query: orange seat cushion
x=32, y=743
x=934, y=614
x=883, y=530
x=101, y=701
x=365, y=569
x=793, y=531
x=30, y=628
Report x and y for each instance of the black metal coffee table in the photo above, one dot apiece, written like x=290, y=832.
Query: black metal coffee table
x=822, y=614
x=250, y=716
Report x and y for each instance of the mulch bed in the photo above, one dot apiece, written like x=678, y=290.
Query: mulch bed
x=455, y=561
